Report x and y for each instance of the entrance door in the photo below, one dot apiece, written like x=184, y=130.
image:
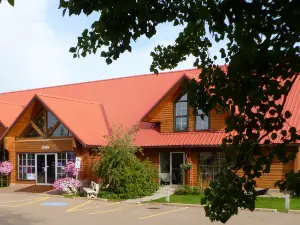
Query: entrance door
x=169, y=164
x=46, y=168
x=177, y=158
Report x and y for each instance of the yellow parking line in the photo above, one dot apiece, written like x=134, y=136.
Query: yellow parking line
x=96, y=207
x=163, y=213
x=29, y=203
x=78, y=206
x=23, y=200
x=110, y=210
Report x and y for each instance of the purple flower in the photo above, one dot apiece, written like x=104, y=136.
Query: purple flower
x=67, y=184
x=70, y=169
x=5, y=168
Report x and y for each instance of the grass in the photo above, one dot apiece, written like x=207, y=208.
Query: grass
x=270, y=203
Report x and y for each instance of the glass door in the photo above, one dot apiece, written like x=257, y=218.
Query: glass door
x=46, y=168
x=164, y=168
x=177, y=158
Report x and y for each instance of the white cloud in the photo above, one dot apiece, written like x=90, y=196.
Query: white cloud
x=34, y=45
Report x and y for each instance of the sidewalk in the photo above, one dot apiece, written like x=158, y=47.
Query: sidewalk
x=162, y=191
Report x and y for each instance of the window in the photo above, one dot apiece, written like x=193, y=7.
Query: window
x=60, y=131
x=201, y=124
x=62, y=159
x=181, y=114
x=26, y=166
x=210, y=164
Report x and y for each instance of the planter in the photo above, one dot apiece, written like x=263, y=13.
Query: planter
x=4, y=180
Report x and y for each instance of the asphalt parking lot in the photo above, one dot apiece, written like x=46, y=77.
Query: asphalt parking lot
x=30, y=209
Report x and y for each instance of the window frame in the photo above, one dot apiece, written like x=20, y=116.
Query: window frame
x=195, y=124
x=25, y=166
x=58, y=174
x=187, y=113
x=219, y=158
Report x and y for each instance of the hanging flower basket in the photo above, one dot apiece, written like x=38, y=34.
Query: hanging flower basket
x=5, y=170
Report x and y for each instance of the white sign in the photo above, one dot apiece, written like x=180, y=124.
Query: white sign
x=45, y=147
x=30, y=176
x=77, y=162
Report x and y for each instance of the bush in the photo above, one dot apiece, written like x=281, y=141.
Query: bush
x=291, y=182
x=122, y=174
x=187, y=190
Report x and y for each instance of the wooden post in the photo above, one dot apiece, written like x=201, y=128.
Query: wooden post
x=297, y=161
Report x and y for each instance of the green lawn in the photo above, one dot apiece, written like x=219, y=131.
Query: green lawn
x=271, y=203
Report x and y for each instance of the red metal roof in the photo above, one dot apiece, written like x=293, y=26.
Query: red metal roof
x=85, y=120
x=90, y=109
x=153, y=138
x=9, y=112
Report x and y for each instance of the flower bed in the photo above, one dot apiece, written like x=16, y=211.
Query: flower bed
x=67, y=185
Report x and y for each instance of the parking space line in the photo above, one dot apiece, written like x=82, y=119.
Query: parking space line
x=29, y=203
x=163, y=213
x=78, y=206
x=111, y=210
x=115, y=203
x=23, y=200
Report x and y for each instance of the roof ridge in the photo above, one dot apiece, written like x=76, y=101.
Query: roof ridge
x=95, y=81
x=70, y=99
x=11, y=103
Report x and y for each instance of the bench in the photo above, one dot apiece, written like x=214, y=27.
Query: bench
x=93, y=191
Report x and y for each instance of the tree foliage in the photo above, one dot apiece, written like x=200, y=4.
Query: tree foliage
x=11, y=2
x=263, y=63
x=122, y=174
x=262, y=56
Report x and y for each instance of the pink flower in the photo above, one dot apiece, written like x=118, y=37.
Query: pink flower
x=67, y=185
x=5, y=168
x=70, y=169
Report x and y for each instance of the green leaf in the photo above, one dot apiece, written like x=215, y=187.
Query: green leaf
x=72, y=50
x=287, y=114
x=108, y=61
x=273, y=136
x=11, y=2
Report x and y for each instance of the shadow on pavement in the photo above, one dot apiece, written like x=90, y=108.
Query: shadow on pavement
x=10, y=218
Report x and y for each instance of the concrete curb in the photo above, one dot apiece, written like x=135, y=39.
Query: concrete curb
x=294, y=211
x=202, y=206
x=185, y=205
x=265, y=210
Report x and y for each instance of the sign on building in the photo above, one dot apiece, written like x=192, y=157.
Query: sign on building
x=77, y=162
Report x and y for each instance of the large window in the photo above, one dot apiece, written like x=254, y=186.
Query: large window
x=60, y=130
x=181, y=114
x=210, y=164
x=26, y=166
x=62, y=159
x=201, y=124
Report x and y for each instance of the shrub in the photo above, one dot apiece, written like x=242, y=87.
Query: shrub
x=187, y=190
x=67, y=185
x=119, y=169
x=291, y=182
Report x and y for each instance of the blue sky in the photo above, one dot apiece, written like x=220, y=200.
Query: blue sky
x=34, y=44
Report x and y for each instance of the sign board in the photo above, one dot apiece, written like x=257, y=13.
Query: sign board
x=77, y=162
x=45, y=147
x=30, y=176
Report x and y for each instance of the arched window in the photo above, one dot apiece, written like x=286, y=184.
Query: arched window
x=181, y=114
x=201, y=123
